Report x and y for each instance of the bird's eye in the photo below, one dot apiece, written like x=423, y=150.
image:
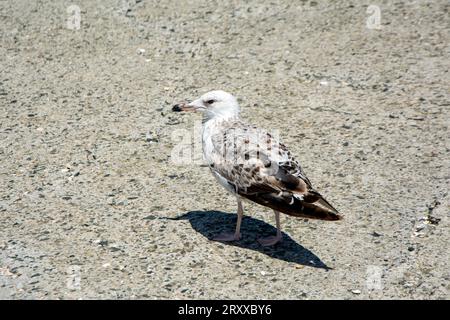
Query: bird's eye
x=210, y=101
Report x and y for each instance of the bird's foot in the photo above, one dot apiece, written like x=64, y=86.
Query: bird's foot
x=227, y=237
x=270, y=241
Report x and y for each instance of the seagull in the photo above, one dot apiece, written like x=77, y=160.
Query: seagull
x=254, y=165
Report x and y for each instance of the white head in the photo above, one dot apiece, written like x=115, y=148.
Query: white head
x=213, y=104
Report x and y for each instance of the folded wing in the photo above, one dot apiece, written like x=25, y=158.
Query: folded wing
x=261, y=169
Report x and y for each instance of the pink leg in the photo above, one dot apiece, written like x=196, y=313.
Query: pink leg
x=270, y=241
x=237, y=233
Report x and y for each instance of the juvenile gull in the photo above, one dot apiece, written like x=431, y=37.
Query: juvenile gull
x=252, y=164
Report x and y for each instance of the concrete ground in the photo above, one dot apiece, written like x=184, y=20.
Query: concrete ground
x=90, y=192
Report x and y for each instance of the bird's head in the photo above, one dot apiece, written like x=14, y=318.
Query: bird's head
x=212, y=104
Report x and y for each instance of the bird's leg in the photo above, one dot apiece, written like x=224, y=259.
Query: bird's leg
x=270, y=241
x=237, y=233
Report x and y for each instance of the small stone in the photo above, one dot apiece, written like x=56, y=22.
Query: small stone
x=410, y=248
x=140, y=51
x=356, y=291
x=114, y=248
x=420, y=226
x=433, y=220
x=418, y=118
x=101, y=242
x=150, y=137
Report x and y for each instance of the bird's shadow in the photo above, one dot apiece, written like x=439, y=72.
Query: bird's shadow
x=212, y=223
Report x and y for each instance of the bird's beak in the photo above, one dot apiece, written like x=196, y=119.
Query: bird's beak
x=192, y=106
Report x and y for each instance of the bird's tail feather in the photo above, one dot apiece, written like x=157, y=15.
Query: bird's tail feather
x=317, y=208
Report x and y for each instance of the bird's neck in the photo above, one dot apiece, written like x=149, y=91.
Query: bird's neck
x=219, y=117
x=212, y=125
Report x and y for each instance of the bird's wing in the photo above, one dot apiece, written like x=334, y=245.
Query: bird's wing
x=263, y=170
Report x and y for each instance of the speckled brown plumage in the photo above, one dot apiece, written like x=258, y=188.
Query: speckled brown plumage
x=259, y=168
